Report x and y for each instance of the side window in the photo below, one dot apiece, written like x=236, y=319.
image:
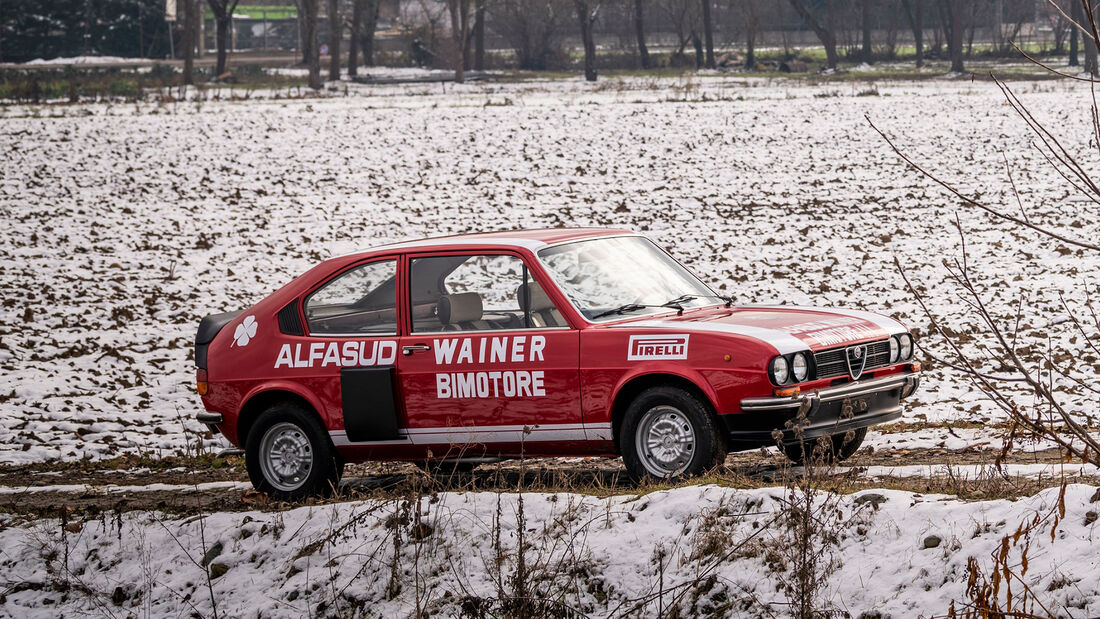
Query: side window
x=360, y=302
x=478, y=293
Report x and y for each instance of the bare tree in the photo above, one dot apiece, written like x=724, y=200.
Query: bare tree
x=1025, y=375
x=587, y=18
x=639, y=32
x=914, y=12
x=336, y=32
x=370, y=24
x=460, y=28
x=223, y=16
x=824, y=30
x=750, y=18
x=188, y=42
x=353, y=42
x=953, y=19
x=533, y=28
x=708, y=33
x=307, y=10
x=479, y=35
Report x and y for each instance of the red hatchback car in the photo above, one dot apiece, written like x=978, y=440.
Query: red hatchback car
x=562, y=342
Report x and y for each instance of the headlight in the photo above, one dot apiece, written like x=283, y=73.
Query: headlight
x=894, y=348
x=781, y=370
x=799, y=367
x=906, y=346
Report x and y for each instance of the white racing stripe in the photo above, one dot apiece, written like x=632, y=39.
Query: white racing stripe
x=466, y=435
x=885, y=323
x=780, y=340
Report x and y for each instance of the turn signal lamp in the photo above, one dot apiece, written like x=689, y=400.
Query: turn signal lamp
x=201, y=384
x=787, y=392
x=914, y=366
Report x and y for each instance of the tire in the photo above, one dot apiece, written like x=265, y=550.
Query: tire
x=685, y=439
x=289, y=456
x=837, y=449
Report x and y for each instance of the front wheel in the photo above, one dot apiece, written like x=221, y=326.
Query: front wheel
x=668, y=433
x=289, y=456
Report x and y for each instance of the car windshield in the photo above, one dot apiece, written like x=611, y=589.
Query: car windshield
x=611, y=277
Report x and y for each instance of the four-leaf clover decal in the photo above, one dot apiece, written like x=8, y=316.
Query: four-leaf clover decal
x=245, y=332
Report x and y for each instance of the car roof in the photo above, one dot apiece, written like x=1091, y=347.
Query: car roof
x=530, y=239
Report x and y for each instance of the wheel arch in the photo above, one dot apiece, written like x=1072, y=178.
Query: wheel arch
x=635, y=385
x=262, y=398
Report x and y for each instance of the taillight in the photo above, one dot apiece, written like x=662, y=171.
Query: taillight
x=201, y=384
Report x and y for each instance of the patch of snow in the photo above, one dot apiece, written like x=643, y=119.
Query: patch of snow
x=901, y=554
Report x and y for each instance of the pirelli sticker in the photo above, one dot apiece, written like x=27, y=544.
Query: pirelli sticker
x=656, y=347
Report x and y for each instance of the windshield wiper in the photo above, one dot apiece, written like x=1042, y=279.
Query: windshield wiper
x=629, y=307
x=676, y=303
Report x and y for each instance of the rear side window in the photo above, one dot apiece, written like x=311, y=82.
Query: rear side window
x=362, y=301
x=478, y=292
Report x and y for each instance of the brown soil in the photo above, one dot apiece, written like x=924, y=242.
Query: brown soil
x=105, y=486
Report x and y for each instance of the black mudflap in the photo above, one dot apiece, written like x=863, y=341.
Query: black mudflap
x=370, y=409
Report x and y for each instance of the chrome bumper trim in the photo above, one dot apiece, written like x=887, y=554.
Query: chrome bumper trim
x=209, y=418
x=907, y=382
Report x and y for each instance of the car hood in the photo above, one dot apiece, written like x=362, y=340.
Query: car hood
x=788, y=328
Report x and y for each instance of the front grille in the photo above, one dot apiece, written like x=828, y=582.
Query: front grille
x=833, y=362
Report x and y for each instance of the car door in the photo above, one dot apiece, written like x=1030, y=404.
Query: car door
x=351, y=349
x=487, y=361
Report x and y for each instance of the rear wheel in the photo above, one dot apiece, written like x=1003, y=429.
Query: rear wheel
x=835, y=448
x=668, y=433
x=289, y=456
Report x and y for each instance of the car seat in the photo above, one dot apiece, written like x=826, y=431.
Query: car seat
x=532, y=298
x=461, y=312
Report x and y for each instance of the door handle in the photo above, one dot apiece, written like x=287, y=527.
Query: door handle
x=408, y=350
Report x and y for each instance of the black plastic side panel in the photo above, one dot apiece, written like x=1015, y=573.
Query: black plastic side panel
x=370, y=410
x=209, y=327
x=289, y=322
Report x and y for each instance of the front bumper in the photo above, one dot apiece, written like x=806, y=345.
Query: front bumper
x=827, y=411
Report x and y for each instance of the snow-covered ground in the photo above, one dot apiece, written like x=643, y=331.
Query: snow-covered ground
x=124, y=224
x=701, y=550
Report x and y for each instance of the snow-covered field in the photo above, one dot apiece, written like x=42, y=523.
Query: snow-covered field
x=695, y=551
x=125, y=224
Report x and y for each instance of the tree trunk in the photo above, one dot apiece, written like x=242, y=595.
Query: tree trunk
x=221, y=36
x=367, y=38
x=353, y=44
x=639, y=32
x=586, y=20
x=951, y=17
x=460, y=25
x=479, y=36
x=700, y=57
x=708, y=34
x=750, y=17
x=188, y=42
x=865, y=19
x=916, y=23
x=335, y=34
x=825, y=32
x=1075, y=15
x=308, y=10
